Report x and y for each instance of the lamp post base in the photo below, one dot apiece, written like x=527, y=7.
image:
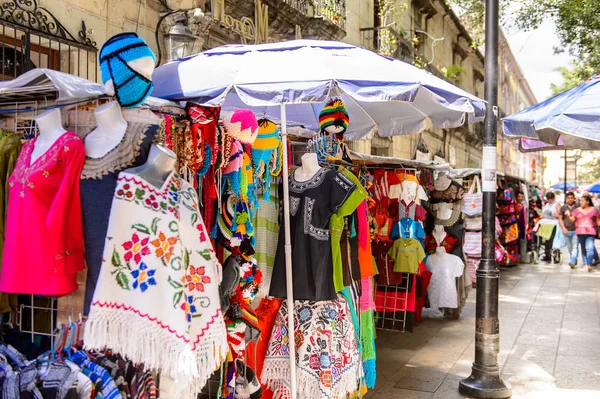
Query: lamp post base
x=485, y=387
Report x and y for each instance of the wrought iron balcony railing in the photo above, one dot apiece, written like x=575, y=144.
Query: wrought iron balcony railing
x=388, y=42
x=331, y=10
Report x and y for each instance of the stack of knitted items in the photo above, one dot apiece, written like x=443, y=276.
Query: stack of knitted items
x=237, y=181
x=242, y=327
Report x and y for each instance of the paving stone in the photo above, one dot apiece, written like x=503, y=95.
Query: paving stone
x=578, y=372
x=549, y=341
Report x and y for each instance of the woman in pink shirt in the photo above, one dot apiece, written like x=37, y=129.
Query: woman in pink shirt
x=586, y=218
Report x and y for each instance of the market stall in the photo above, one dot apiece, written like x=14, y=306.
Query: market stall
x=183, y=201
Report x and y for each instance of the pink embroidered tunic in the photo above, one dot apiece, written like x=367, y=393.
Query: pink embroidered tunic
x=44, y=241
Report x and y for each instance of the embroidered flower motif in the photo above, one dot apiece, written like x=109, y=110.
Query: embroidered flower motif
x=314, y=362
x=196, y=279
x=189, y=308
x=202, y=232
x=304, y=314
x=325, y=360
x=298, y=339
x=164, y=246
x=136, y=248
x=326, y=378
x=46, y=173
x=143, y=277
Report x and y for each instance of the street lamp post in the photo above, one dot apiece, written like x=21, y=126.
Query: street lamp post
x=485, y=381
x=180, y=39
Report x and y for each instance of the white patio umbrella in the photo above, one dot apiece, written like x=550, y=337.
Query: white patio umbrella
x=291, y=82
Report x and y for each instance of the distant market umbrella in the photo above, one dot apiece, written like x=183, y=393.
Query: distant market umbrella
x=570, y=119
x=382, y=95
x=594, y=188
x=561, y=186
x=290, y=82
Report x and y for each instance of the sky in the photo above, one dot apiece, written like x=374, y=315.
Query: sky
x=534, y=50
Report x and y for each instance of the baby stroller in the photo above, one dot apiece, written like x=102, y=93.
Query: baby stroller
x=545, y=232
x=540, y=235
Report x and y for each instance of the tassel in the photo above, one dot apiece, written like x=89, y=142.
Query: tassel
x=370, y=373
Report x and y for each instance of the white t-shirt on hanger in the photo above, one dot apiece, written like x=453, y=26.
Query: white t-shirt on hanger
x=444, y=268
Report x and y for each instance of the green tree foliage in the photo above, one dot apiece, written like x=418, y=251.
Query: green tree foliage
x=577, y=24
x=572, y=77
x=590, y=171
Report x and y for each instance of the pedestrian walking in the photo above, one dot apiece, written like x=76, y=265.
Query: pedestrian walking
x=586, y=222
x=568, y=227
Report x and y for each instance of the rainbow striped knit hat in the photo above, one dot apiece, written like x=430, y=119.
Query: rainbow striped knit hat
x=334, y=117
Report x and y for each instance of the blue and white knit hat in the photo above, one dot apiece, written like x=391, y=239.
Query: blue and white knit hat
x=131, y=81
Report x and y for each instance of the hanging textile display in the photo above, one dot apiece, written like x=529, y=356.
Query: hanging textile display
x=159, y=252
x=44, y=193
x=98, y=182
x=327, y=351
x=10, y=146
x=312, y=202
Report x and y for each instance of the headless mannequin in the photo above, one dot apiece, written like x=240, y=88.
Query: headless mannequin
x=409, y=191
x=50, y=126
x=310, y=166
x=439, y=234
x=109, y=133
x=158, y=167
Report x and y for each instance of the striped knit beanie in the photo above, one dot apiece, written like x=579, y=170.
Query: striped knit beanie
x=334, y=117
x=132, y=85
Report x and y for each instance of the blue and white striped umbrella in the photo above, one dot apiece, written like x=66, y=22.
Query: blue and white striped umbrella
x=569, y=120
x=381, y=94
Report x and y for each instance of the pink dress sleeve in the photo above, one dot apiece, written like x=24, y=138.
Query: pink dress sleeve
x=64, y=216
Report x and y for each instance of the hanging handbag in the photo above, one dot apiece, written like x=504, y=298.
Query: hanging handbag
x=507, y=219
x=506, y=208
x=472, y=244
x=472, y=264
x=473, y=223
x=473, y=201
x=500, y=253
x=510, y=233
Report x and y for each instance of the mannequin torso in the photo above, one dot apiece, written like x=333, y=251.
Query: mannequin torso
x=158, y=167
x=50, y=126
x=109, y=133
x=310, y=166
x=439, y=234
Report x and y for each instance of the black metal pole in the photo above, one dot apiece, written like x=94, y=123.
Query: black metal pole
x=485, y=381
x=565, y=182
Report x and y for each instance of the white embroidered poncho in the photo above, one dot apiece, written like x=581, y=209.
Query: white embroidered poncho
x=156, y=301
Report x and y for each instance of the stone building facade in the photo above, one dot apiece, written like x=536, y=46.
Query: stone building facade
x=426, y=33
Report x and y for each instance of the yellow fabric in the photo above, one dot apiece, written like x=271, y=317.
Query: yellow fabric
x=407, y=254
x=403, y=176
x=545, y=231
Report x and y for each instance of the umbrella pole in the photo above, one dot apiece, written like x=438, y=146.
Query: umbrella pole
x=288, y=254
x=565, y=182
x=485, y=381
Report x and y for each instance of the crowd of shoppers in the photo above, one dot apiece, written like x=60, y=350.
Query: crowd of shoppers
x=578, y=221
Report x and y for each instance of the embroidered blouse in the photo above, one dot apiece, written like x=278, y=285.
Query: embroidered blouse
x=160, y=279
x=44, y=214
x=312, y=203
x=98, y=182
x=431, y=243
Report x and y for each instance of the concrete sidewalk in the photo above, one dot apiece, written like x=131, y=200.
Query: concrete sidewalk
x=549, y=341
